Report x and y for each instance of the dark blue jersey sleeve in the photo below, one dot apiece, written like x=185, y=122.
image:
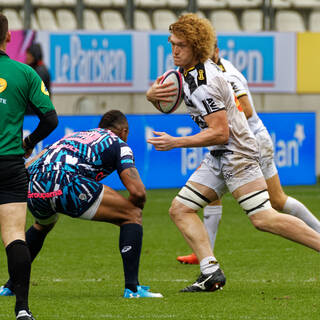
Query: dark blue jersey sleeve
x=122, y=157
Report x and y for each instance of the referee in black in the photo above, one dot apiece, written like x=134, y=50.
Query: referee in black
x=19, y=85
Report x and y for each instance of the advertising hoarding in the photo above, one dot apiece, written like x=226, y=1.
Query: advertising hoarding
x=294, y=146
x=131, y=61
x=308, y=62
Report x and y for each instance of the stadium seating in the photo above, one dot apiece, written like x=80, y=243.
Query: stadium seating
x=288, y=20
x=211, y=4
x=91, y=20
x=199, y=13
x=98, y=3
x=281, y=3
x=9, y=3
x=306, y=3
x=51, y=3
x=34, y=22
x=120, y=3
x=46, y=19
x=244, y=3
x=227, y=15
x=224, y=20
x=162, y=18
x=14, y=19
x=252, y=20
x=314, y=21
x=112, y=20
x=178, y=3
x=66, y=19
x=70, y=2
x=151, y=3
x=142, y=21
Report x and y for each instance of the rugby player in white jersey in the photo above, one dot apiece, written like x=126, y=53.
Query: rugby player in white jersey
x=233, y=161
x=279, y=200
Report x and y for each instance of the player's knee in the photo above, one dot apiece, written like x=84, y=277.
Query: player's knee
x=174, y=210
x=278, y=202
x=189, y=199
x=258, y=221
x=177, y=210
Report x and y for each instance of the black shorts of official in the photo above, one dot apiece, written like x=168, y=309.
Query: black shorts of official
x=13, y=180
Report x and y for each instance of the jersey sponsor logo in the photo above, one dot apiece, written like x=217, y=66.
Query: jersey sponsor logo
x=44, y=195
x=210, y=105
x=3, y=84
x=201, y=75
x=44, y=90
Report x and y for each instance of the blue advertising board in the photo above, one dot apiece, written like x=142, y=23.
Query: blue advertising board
x=257, y=56
x=293, y=135
x=128, y=61
x=82, y=59
x=253, y=56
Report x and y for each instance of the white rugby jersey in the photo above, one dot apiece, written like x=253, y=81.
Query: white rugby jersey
x=207, y=91
x=240, y=87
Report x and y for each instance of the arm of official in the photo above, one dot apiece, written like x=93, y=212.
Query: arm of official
x=43, y=108
x=131, y=180
x=48, y=122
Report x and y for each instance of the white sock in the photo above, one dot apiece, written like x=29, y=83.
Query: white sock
x=209, y=265
x=297, y=209
x=211, y=219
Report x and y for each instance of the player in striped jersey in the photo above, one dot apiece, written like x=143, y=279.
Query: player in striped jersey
x=65, y=179
x=233, y=161
x=279, y=200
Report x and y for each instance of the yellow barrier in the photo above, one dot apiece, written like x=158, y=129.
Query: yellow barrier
x=308, y=62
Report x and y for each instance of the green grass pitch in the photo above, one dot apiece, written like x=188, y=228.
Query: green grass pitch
x=78, y=274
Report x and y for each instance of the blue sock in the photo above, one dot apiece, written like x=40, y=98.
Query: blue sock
x=130, y=242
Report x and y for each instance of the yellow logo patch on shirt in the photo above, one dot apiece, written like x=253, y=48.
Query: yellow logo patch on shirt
x=3, y=84
x=44, y=89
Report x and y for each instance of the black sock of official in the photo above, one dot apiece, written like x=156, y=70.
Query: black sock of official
x=130, y=243
x=34, y=239
x=19, y=266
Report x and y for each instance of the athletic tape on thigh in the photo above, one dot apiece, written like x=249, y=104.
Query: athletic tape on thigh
x=254, y=202
x=191, y=197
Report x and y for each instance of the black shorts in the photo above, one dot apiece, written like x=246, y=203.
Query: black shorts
x=13, y=180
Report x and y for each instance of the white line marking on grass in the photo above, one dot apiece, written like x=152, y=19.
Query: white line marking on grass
x=188, y=280
x=99, y=280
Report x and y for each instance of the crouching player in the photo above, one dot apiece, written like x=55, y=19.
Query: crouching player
x=64, y=179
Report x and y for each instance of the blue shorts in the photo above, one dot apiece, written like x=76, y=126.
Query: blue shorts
x=61, y=192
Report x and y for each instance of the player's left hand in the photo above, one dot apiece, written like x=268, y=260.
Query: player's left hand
x=161, y=92
x=163, y=142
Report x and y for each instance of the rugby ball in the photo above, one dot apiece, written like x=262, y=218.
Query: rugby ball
x=175, y=77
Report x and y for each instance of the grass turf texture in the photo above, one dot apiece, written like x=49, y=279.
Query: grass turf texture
x=78, y=274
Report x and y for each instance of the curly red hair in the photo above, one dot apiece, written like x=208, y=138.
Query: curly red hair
x=198, y=32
